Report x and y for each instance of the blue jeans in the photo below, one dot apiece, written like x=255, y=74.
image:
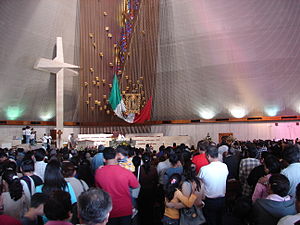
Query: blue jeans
x=168, y=221
x=27, y=139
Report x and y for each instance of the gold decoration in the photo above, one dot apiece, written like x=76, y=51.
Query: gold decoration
x=101, y=108
x=123, y=92
x=107, y=28
x=119, y=72
x=107, y=111
x=101, y=54
x=91, y=35
x=137, y=81
x=141, y=78
x=105, y=14
x=143, y=32
x=89, y=95
x=133, y=103
x=127, y=88
x=97, y=78
x=111, y=64
x=98, y=84
x=86, y=83
x=94, y=44
x=126, y=77
x=128, y=53
x=104, y=96
x=87, y=102
x=94, y=82
x=91, y=70
x=129, y=81
x=109, y=35
x=103, y=81
x=110, y=85
x=105, y=107
x=115, y=45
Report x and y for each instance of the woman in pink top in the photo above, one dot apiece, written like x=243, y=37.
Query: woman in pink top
x=272, y=166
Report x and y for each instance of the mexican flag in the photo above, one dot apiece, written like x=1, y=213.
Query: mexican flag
x=118, y=105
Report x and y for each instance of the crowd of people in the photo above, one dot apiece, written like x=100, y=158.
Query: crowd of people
x=233, y=182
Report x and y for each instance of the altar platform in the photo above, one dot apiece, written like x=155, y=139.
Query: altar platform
x=136, y=140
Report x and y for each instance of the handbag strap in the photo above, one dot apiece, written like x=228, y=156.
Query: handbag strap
x=138, y=175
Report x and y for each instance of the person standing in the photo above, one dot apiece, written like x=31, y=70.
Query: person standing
x=27, y=133
x=117, y=181
x=214, y=176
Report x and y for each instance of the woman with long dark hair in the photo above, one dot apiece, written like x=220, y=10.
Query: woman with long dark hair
x=174, y=196
x=15, y=203
x=148, y=179
x=54, y=180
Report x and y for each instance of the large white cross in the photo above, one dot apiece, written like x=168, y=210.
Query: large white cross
x=57, y=66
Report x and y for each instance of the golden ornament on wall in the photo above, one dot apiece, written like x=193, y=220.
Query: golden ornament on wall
x=87, y=102
x=101, y=54
x=98, y=84
x=105, y=107
x=91, y=70
x=137, y=81
x=109, y=35
x=106, y=28
x=94, y=44
x=123, y=92
x=143, y=32
x=107, y=111
x=86, y=83
x=129, y=81
x=141, y=78
x=127, y=88
x=115, y=45
x=111, y=64
x=103, y=81
x=104, y=96
x=94, y=82
x=110, y=85
x=97, y=78
x=91, y=35
x=101, y=108
x=89, y=95
x=105, y=14
x=119, y=72
x=126, y=77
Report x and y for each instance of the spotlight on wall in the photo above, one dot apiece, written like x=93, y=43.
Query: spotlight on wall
x=207, y=114
x=238, y=112
x=14, y=112
x=45, y=116
x=271, y=110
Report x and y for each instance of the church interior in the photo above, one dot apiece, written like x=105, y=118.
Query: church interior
x=158, y=77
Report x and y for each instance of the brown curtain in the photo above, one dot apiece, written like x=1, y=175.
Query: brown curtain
x=100, y=31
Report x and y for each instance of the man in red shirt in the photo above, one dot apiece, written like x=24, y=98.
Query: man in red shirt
x=200, y=159
x=117, y=181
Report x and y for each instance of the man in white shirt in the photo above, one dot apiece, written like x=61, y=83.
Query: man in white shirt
x=27, y=133
x=214, y=176
x=40, y=165
x=292, y=172
x=46, y=141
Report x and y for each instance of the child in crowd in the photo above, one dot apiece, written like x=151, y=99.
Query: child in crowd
x=174, y=195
